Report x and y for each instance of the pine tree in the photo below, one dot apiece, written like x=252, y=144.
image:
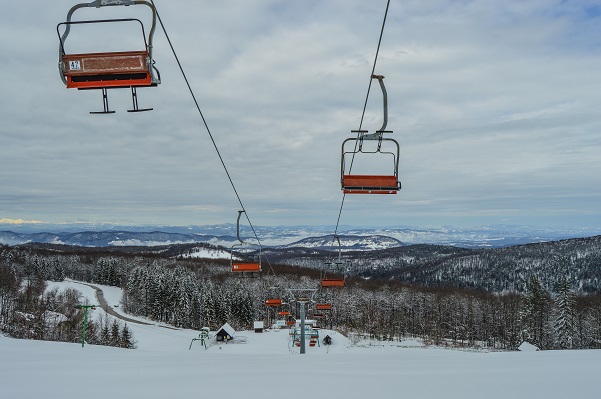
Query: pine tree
x=105, y=333
x=535, y=314
x=126, y=340
x=115, y=334
x=564, y=322
x=209, y=313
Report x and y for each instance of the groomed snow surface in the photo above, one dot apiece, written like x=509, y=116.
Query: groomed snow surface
x=268, y=366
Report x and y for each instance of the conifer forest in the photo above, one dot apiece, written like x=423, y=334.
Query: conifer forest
x=547, y=294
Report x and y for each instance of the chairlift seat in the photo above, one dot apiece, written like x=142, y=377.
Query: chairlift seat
x=103, y=70
x=284, y=313
x=332, y=282
x=323, y=306
x=246, y=267
x=273, y=302
x=370, y=184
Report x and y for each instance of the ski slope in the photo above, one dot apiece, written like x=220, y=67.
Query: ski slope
x=266, y=365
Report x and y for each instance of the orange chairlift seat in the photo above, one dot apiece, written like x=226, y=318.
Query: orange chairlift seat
x=109, y=70
x=332, y=282
x=323, y=306
x=239, y=266
x=284, y=313
x=273, y=302
x=353, y=183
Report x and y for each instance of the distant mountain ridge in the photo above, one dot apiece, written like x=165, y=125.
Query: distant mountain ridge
x=286, y=236
x=347, y=242
x=106, y=238
x=158, y=238
x=502, y=269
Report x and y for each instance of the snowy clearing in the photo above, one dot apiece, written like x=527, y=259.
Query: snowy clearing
x=267, y=364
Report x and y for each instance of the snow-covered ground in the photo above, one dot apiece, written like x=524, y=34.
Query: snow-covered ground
x=206, y=253
x=267, y=365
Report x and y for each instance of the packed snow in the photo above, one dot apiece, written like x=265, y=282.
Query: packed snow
x=253, y=365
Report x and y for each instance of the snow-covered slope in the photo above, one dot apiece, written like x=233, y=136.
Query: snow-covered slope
x=347, y=242
x=207, y=253
x=264, y=364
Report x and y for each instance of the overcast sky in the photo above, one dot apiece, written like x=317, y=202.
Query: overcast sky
x=495, y=104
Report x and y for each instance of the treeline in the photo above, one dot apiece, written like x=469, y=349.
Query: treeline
x=197, y=293
x=176, y=296
x=494, y=270
x=577, y=261
x=461, y=317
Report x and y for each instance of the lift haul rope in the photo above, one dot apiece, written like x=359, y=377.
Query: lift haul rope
x=215, y=144
x=204, y=121
x=373, y=70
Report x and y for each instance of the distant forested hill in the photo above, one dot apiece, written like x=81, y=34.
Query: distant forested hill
x=577, y=261
x=548, y=294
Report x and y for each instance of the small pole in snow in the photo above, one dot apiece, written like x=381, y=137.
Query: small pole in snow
x=85, y=321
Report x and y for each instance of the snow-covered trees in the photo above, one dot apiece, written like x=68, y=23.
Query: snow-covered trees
x=110, y=331
x=108, y=271
x=564, y=317
x=177, y=297
x=196, y=293
x=535, y=314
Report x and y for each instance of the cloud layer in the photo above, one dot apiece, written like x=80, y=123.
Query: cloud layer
x=494, y=104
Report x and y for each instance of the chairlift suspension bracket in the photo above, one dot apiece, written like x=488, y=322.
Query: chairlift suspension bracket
x=238, y=226
x=385, y=101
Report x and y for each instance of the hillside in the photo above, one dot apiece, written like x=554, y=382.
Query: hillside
x=165, y=365
x=577, y=261
x=162, y=284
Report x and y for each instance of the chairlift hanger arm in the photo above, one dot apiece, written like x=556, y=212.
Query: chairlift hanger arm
x=379, y=134
x=385, y=102
x=238, y=226
x=339, y=247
